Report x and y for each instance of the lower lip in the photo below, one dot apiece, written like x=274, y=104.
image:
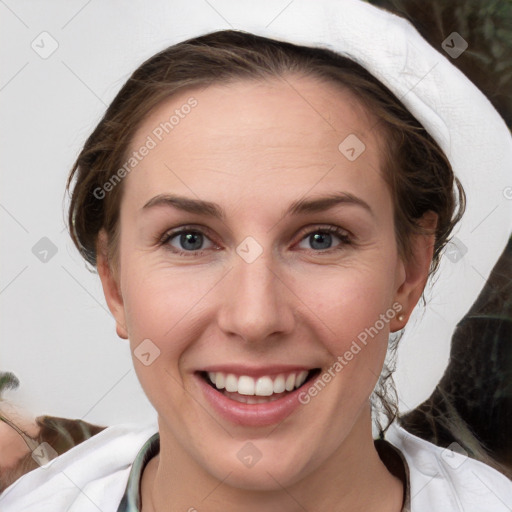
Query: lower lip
x=252, y=415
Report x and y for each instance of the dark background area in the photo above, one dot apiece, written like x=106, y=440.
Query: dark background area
x=472, y=404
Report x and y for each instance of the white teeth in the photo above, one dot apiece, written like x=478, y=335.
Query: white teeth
x=251, y=399
x=301, y=378
x=245, y=385
x=290, y=382
x=220, y=380
x=279, y=384
x=263, y=386
x=231, y=383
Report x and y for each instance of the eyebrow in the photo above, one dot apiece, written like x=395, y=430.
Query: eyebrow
x=301, y=206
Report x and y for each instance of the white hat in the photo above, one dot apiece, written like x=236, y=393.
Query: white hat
x=457, y=115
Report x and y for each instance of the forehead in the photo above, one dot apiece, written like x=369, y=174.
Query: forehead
x=292, y=129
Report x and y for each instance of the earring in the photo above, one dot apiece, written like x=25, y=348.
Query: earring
x=401, y=318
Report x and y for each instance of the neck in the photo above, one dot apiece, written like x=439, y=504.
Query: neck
x=353, y=478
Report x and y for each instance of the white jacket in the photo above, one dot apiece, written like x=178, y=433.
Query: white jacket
x=92, y=476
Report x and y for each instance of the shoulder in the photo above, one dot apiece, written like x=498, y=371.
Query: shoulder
x=93, y=472
x=443, y=479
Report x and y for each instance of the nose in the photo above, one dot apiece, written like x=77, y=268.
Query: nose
x=256, y=302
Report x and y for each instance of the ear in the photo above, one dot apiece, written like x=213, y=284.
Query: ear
x=413, y=274
x=110, y=285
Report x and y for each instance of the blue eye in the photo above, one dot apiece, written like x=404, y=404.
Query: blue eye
x=322, y=241
x=188, y=241
x=321, y=238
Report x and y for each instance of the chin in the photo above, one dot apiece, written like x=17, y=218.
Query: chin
x=262, y=477
x=244, y=466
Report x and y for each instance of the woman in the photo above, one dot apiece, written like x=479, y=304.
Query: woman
x=262, y=216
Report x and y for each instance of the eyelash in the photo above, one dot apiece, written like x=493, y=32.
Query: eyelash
x=341, y=233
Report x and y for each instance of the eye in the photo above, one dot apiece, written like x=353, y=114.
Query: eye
x=189, y=241
x=321, y=238
x=186, y=240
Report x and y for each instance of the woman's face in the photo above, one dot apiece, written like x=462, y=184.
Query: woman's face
x=286, y=262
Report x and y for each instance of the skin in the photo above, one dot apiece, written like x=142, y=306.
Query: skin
x=254, y=148
x=13, y=449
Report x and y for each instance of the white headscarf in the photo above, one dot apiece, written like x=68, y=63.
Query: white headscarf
x=457, y=115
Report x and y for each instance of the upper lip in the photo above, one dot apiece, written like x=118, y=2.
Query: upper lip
x=256, y=371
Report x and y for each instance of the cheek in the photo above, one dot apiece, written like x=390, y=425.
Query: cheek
x=160, y=302
x=348, y=301
x=167, y=307
x=349, y=325
x=352, y=310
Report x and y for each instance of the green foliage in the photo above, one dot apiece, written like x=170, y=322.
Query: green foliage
x=8, y=381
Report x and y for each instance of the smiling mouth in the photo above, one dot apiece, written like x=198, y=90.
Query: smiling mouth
x=249, y=390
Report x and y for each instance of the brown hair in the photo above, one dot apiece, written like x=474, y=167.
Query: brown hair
x=61, y=434
x=417, y=171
